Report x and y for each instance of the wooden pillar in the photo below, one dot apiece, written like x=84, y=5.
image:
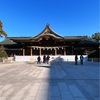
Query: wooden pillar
x=31, y=51
x=23, y=51
x=55, y=51
x=40, y=51
x=64, y=51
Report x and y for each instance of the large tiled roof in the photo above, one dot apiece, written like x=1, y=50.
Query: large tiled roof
x=88, y=41
x=74, y=37
x=7, y=41
x=41, y=35
x=20, y=38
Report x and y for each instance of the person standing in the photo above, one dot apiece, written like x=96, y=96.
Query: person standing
x=76, y=58
x=44, y=59
x=48, y=58
x=81, y=59
x=38, y=59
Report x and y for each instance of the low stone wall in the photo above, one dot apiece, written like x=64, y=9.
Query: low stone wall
x=9, y=59
x=58, y=58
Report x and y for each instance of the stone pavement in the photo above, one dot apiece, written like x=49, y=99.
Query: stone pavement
x=54, y=81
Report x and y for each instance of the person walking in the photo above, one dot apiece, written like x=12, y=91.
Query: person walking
x=38, y=60
x=81, y=59
x=76, y=58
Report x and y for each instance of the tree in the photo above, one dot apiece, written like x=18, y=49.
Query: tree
x=2, y=32
x=96, y=36
x=3, y=53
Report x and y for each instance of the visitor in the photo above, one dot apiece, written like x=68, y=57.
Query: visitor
x=44, y=59
x=48, y=58
x=14, y=57
x=81, y=59
x=38, y=60
x=76, y=58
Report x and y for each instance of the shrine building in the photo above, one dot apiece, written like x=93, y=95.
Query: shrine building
x=48, y=42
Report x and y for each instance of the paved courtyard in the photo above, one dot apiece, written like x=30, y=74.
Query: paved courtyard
x=54, y=81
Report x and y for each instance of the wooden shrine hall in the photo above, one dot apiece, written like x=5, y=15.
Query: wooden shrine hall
x=48, y=42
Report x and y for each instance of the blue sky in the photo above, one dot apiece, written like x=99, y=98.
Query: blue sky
x=66, y=17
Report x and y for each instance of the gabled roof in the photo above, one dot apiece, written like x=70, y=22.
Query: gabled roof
x=48, y=32
x=7, y=41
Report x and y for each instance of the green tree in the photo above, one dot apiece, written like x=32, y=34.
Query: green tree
x=2, y=32
x=96, y=36
x=3, y=54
